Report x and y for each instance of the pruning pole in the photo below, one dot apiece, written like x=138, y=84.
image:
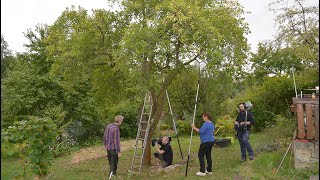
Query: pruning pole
x=174, y=123
x=294, y=82
x=194, y=115
x=283, y=157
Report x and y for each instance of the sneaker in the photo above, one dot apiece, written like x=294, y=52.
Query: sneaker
x=207, y=172
x=112, y=176
x=251, y=157
x=200, y=174
x=243, y=159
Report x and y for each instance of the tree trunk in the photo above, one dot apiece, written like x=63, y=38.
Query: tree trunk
x=156, y=115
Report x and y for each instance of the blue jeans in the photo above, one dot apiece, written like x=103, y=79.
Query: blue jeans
x=243, y=137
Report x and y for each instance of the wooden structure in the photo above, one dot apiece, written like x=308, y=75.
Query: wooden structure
x=307, y=117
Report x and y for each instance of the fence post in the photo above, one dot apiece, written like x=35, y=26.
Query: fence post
x=300, y=121
x=310, y=124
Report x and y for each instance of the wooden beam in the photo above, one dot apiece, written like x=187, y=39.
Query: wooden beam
x=305, y=101
x=310, y=121
x=316, y=122
x=300, y=121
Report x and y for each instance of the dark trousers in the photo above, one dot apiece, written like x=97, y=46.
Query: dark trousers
x=113, y=161
x=160, y=157
x=243, y=137
x=205, y=150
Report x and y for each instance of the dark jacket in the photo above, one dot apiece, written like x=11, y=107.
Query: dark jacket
x=241, y=118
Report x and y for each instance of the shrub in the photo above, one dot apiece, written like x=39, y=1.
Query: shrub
x=129, y=126
x=63, y=145
x=228, y=126
x=40, y=136
x=35, y=137
x=183, y=127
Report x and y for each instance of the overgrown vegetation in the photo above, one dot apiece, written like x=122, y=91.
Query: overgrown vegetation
x=82, y=70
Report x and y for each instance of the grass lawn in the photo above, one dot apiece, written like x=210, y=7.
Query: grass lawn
x=226, y=164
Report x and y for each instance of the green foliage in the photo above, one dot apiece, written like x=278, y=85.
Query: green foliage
x=7, y=59
x=298, y=28
x=35, y=139
x=183, y=127
x=275, y=62
x=164, y=126
x=129, y=127
x=228, y=126
x=273, y=97
x=63, y=145
x=40, y=135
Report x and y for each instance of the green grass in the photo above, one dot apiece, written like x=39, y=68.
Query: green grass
x=226, y=164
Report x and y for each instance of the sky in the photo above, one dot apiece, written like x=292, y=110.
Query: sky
x=17, y=16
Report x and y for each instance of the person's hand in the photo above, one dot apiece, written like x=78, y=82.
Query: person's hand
x=236, y=123
x=119, y=154
x=193, y=126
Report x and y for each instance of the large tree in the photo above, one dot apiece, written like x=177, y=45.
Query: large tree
x=164, y=37
x=6, y=57
x=144, y=47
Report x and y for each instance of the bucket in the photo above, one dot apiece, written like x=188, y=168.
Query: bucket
x=222, y=142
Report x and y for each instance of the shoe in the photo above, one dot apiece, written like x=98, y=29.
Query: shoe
x=112, y=176
x=243, y=159
x=251, y=157
x=200, y=174
x=207, y=172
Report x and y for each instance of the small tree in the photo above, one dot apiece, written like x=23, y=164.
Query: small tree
x=37, y=137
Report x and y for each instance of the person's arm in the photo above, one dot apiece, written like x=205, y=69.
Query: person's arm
x=104, y=136
x=203, y=128
x=117, y=140
x=195, y=128
x=250, y=120
x=236, y=122
x=159, y=150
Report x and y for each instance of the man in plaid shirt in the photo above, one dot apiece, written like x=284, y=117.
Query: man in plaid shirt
x=111, y=141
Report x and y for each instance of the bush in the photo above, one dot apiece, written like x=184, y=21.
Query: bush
x=273, y=97
x=228, y=126
x=35, y=139
x=63, y=145
x=129, y=127
x=183, y=127
x=40, y=136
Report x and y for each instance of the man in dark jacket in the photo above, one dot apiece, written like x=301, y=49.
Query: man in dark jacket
x=242, y=125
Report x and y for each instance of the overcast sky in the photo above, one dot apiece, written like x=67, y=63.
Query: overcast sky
x=19, y=15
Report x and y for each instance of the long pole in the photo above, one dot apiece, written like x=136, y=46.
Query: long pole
x=283, y=157
x=174, y=123
x=194, y=115
x=294, y=82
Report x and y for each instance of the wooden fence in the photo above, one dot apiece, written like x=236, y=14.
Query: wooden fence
x=307, y=117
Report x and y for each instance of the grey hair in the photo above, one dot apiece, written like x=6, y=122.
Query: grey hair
x=118, y=118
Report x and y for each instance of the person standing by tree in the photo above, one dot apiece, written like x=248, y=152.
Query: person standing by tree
x=207, y=142
x=242, y=125
x=111, y=139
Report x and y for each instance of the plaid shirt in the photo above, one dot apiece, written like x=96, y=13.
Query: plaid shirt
x=111, y=138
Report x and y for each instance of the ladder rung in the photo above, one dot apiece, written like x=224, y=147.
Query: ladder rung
x=138, y=157
x=140, y=139
x=145, y=113
x=136, y=166
x=144, y=121
x=143, y=130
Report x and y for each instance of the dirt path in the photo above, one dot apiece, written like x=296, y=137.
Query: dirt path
x=97, y=152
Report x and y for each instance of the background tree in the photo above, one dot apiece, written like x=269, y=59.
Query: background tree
x=298, y=28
